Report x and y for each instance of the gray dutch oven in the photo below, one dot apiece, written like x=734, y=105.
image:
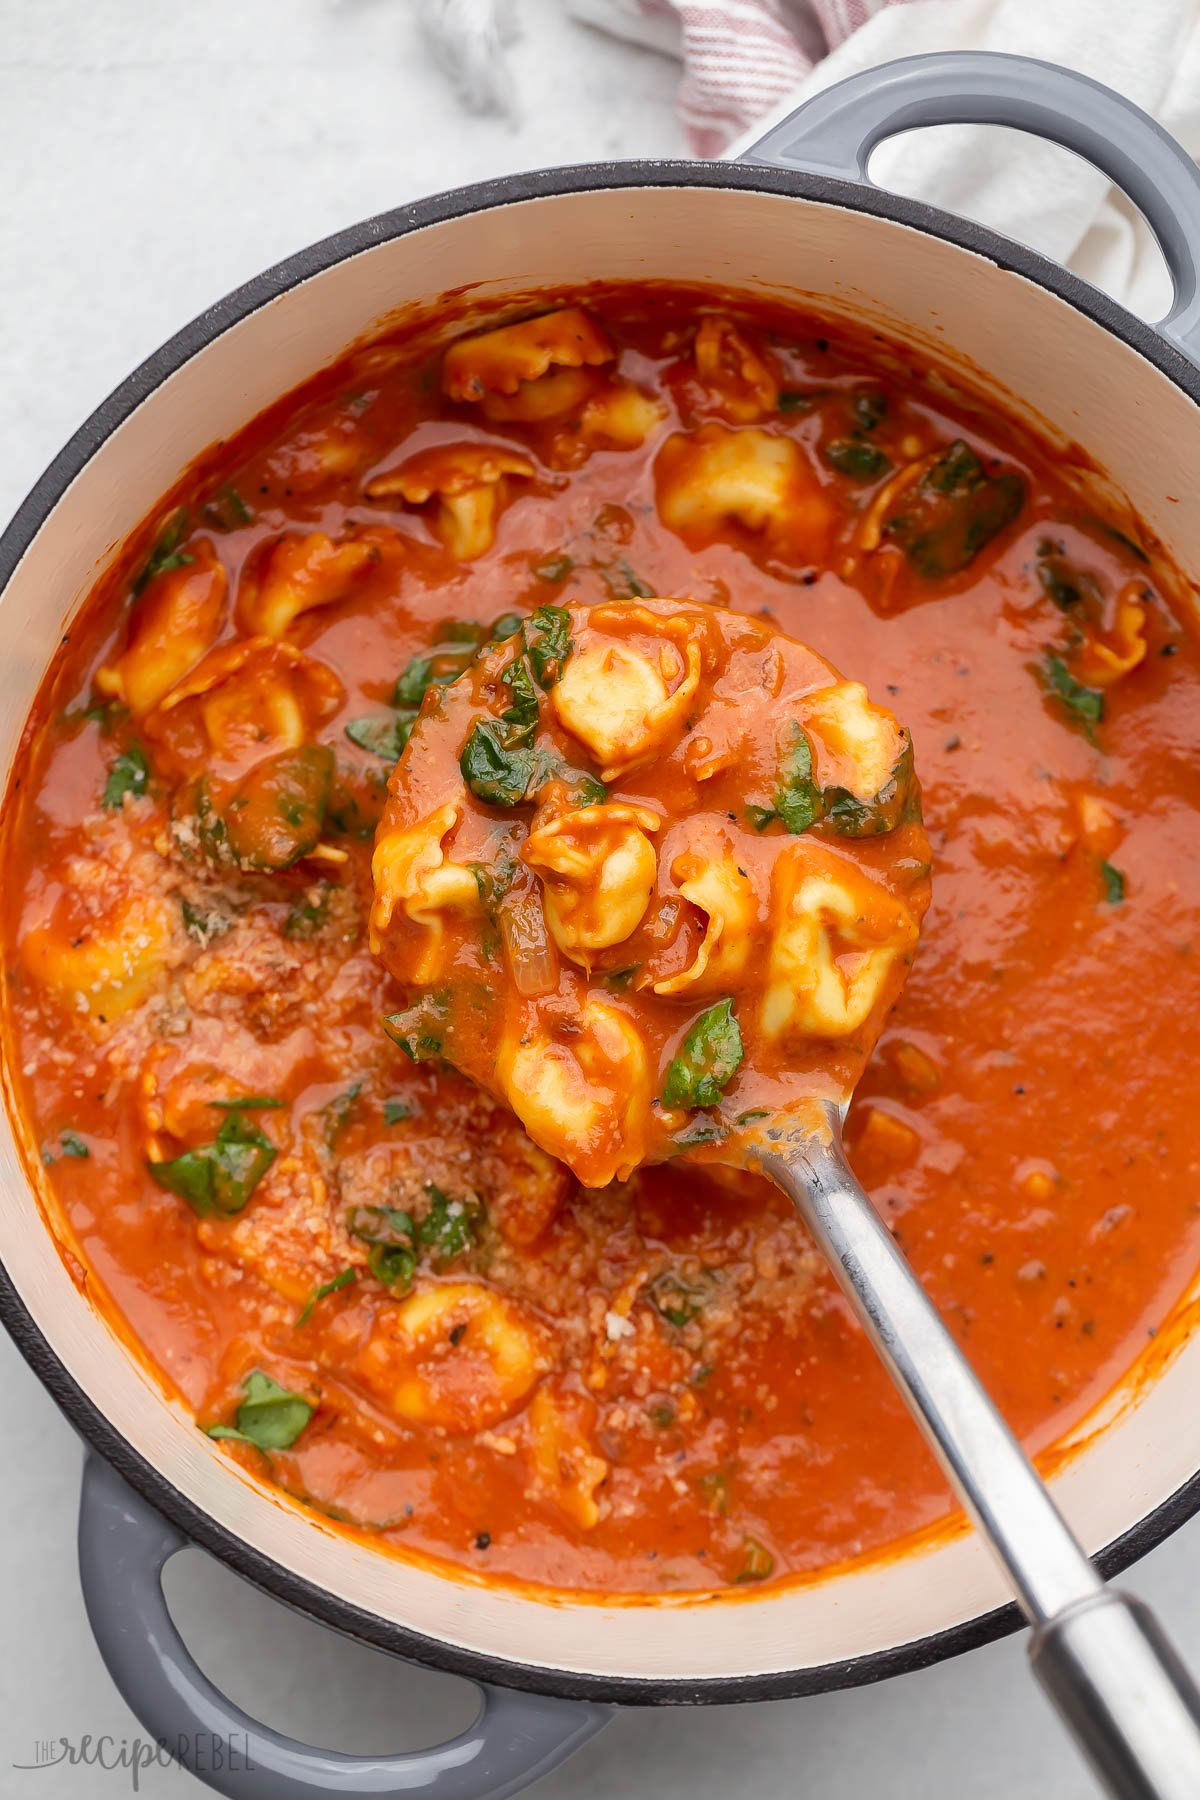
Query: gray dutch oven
x=796, y=217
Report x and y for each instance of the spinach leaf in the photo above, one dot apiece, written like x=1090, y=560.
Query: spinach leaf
x=396, y=1110
x=73, y=1144
x=249, y=1103
x=1083, y=703
x=271, y=1417
x=496, y=771
x=381, y=734
x=506, y=626
x=346, y=1279
x=708, y=1057
x=450, y=1227
x=548, y=639
x=1114, y=883
x=220, y=1177
x=797, y=797
x=456, y=643
x=227, y=510
x=956, y=509
x=623, y=582
x=166, y=553
x=129, y=773
x=859, y=460
x=793, y=400
x=848, y=816
x=391, y=1238
x=415, y=1031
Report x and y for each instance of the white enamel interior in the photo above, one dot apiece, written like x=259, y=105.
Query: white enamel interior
x=1085, y=383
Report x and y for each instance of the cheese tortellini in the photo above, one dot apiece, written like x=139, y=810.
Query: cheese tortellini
x=710, y=477
x=537, y=369
x=412, y=873
x=598, y=868
x=836, y=936
x=172, y=624
x=626, y=692
x=247, y=700
x=470, y=483
x=583, y=1098
x=104, y=945
x=299, y=573
x=735, y=370
x=645, y=863
x=456, y=1354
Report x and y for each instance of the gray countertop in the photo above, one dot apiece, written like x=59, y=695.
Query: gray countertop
x=151, y=157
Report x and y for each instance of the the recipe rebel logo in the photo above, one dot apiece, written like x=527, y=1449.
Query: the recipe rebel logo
x=202, y=1753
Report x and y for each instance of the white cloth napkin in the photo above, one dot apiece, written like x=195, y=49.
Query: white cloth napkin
x=1035, y=192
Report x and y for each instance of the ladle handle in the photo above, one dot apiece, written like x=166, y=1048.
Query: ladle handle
x=1100, y=1657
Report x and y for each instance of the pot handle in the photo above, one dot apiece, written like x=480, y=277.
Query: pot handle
x=835, y=132
x=124, y=1545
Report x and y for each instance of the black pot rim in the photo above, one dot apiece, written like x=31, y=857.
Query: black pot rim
x=197, y=1525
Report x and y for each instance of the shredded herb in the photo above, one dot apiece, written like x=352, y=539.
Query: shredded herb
x=797, y=798
x=868, y=408
x=336, y=1113
x=1114, y=883
x=1083, y=703
x=552, y=568
x=793, y=400
x=450, y=1227
x=129, y=773
x=73, y=1144
x=757, y=1562
x=681, y=1298
x=221, y=1176
x=270, y=1417
x=548, y=639
x=391, y=1238
x=307, y=916
x=396, y=1110
x=346, y=1279
x=708, y=1058
x=415, y=1031
x=166, y=553
x=955, y=509
x=859, y=460
x=381, y=734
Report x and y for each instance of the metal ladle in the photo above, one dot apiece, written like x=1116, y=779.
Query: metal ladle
x=1098, y=1653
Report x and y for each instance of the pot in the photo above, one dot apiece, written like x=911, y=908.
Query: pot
x=797, y=216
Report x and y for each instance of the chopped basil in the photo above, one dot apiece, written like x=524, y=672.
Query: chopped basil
x=396, y=1110
x=270, y=1416
x=346, y=1279
x=624, y=583
x=868, y=408
x=248, y=1103
x=1083, y=703
x=129, y=773
x=757, y=1562
x=548, y=639
x=506, y=626
x=552, y=568
x=166, y=553
x=859, y=460
x=708, y=1057
x=381, y=734
x=414, y=1032
x=681, y=1298
x=761, y=816
x=336, y=1113
x=1114, y=883
x=391, y=1238
x=955, y=509
x=450, y=1227
x=220, y=1177
x=797, y=797
x=455, y=645
x=307, y=916
x=1066, y=586
x=227, y=510
x=73, y=1144
x=586, y=790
